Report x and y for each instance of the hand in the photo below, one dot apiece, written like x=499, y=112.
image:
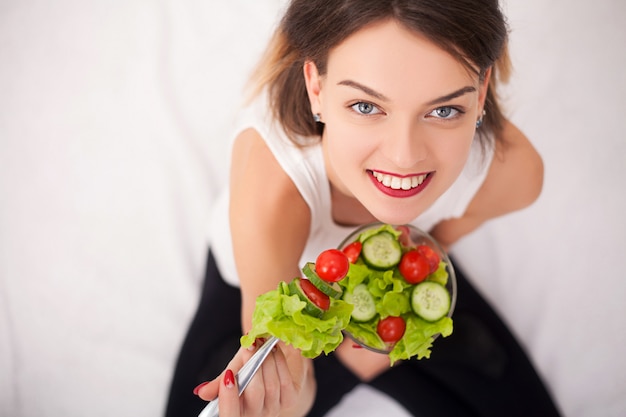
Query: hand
x=283, y=386
x=363, y=363
x=229, y=395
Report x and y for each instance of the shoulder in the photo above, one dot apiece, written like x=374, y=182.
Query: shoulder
x=514, y=181
x=255, y=169
x=515, y=178
x=269, y=219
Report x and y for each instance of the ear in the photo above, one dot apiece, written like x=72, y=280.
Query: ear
x=484, y=86
x=313, y=83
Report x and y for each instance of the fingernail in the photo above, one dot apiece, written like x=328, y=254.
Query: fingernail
x=355, y=346
x=197, y=389
x=229, y=378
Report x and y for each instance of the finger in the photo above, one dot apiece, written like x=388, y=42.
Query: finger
x=288, y=385
x=272, y=385
x=209, y=390
x=229, y=396
x=285, y=378
x=254, y=394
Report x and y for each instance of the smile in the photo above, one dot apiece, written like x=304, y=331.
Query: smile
x=400, y=187
x=399, y=183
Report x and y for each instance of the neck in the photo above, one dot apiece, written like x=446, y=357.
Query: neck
x=348, y=211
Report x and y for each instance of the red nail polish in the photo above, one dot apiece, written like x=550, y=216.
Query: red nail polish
x=229, y=378
x=196, y=389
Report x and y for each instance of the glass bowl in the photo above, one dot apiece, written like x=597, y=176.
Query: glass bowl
x=415, y=238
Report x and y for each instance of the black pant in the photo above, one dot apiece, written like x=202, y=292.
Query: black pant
x=480, y=370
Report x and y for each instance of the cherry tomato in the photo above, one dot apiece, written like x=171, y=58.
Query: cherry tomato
x=430, y=254
x=391, y=329
x=353, y=251
x=332, y=265
x=414, y=267
x=405, y=236
x=317, y=297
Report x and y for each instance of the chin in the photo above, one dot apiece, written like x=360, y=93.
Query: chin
x=399, y=212
x=395, y=218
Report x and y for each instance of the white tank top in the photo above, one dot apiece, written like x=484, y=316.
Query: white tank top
x=305, y=166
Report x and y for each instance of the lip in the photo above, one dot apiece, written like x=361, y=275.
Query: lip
x=400, y=193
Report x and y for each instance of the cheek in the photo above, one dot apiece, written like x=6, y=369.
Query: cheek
x=348, y=144
x=347, y=138
x=453, y=153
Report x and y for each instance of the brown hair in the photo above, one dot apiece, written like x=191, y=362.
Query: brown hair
x=473, y=31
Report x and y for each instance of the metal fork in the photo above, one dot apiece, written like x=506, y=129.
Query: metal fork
x=244, y=376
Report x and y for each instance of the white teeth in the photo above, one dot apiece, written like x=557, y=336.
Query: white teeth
x=397, y=183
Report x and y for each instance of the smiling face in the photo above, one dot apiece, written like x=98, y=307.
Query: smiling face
x=400, y=116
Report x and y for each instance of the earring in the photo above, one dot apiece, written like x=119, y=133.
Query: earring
x=317, y=118
x=479, y=122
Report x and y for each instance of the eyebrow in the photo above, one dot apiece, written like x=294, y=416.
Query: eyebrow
x=380, y=96
x=458, y=93
x=365, y=89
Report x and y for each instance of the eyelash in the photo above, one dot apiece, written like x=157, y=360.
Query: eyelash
x=356, y=106
x=454, y=111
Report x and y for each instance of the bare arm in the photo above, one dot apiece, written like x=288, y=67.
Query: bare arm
x=514, y=181
x=270, y=224
x=269, y=220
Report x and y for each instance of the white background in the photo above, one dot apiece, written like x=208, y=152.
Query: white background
x=113, y=123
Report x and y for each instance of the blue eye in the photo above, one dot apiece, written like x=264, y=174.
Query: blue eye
x=445, y=112
x=365, y=108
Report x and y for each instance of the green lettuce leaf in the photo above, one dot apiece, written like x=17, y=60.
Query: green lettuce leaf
x=282, y=314
x=440, y=275
x=366, y=334
x=418, y=338
x=385, y=227
x=279, y=313
x=357, y=274
x=391, y=293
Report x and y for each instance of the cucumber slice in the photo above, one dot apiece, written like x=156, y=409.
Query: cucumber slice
x=430, y=300
x=331, y=289
x=363, y=302
x=310, y=308
x=381, y=251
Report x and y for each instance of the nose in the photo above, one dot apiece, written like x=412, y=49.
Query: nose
x=404, y=144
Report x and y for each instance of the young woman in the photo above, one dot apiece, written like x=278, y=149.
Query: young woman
x=367, y=110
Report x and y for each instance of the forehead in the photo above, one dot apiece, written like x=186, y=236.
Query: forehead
x=393, y=60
